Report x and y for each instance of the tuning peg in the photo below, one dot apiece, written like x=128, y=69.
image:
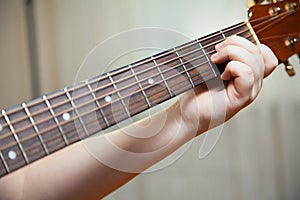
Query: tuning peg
x=290, y=43
x=251, y=3
x=290, y=6
x=289, y=68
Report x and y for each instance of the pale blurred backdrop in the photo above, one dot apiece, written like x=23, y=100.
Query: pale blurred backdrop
x=43, y=43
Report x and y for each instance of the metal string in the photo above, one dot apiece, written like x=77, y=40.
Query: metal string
x=122, y=88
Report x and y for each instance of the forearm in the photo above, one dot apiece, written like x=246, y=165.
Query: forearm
x=95, y=167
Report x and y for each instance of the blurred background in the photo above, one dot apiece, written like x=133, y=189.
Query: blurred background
x=43, y=43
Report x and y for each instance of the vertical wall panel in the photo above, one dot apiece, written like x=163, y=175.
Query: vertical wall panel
x=14, y=68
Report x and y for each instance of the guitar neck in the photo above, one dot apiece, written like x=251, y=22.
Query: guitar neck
x=37, y=128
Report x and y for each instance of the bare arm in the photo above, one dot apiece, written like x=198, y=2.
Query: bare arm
x=93, y=168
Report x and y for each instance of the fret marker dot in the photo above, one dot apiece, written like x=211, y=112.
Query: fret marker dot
x=66, y=116
x=12, y=155
x=1, y=127
x=107, y=99
x=150, y=81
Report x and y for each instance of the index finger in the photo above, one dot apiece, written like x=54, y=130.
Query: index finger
x=238, y=41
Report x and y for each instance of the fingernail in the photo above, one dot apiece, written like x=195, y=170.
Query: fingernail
x=222, y=76
x=214, y=56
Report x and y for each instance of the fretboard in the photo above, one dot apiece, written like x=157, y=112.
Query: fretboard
x=39, y=127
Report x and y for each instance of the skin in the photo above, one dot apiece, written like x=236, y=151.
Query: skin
x=85, y=172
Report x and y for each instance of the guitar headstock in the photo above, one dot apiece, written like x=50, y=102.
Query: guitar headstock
x=277, y=24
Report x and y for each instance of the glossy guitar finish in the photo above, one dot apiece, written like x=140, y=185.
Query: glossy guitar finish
x=278, y=26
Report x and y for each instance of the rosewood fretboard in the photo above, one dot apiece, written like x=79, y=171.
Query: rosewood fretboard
x=34, y=129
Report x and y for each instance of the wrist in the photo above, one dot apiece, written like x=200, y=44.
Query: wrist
x=191, y=125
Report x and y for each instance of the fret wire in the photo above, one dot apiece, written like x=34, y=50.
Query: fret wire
x=239, y=32
x=35, y=128
x=120, y=97
x=50, y=139
x=56, y=120
x=222, y=33
x=4, y=163
x=203, y=50
x=15, y=136
x=76, y=111
x=183, y=65
x=140, y=86
x=97, y=102
x=203, y=39
x=162, y=76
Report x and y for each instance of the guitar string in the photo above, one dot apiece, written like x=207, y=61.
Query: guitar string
x=160, y=55
x=196, y=49
x=293, y=10
x=83, y=84
x=59, y=114
x=74, y=130
x=75, y=118
x=167, y=52
x=280, y=36
x=149, y=59
x=82, y=114
x=39, y=122
x=278, y=18
x=110, y=84
x=64, y=123
x=100, y=87
x=116, y=100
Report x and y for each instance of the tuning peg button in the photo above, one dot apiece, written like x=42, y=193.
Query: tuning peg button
x=274, y=11
x=291, y=6
x=290, y=43
x=290, y=69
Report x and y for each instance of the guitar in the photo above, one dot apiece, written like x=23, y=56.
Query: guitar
x=39, y=127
